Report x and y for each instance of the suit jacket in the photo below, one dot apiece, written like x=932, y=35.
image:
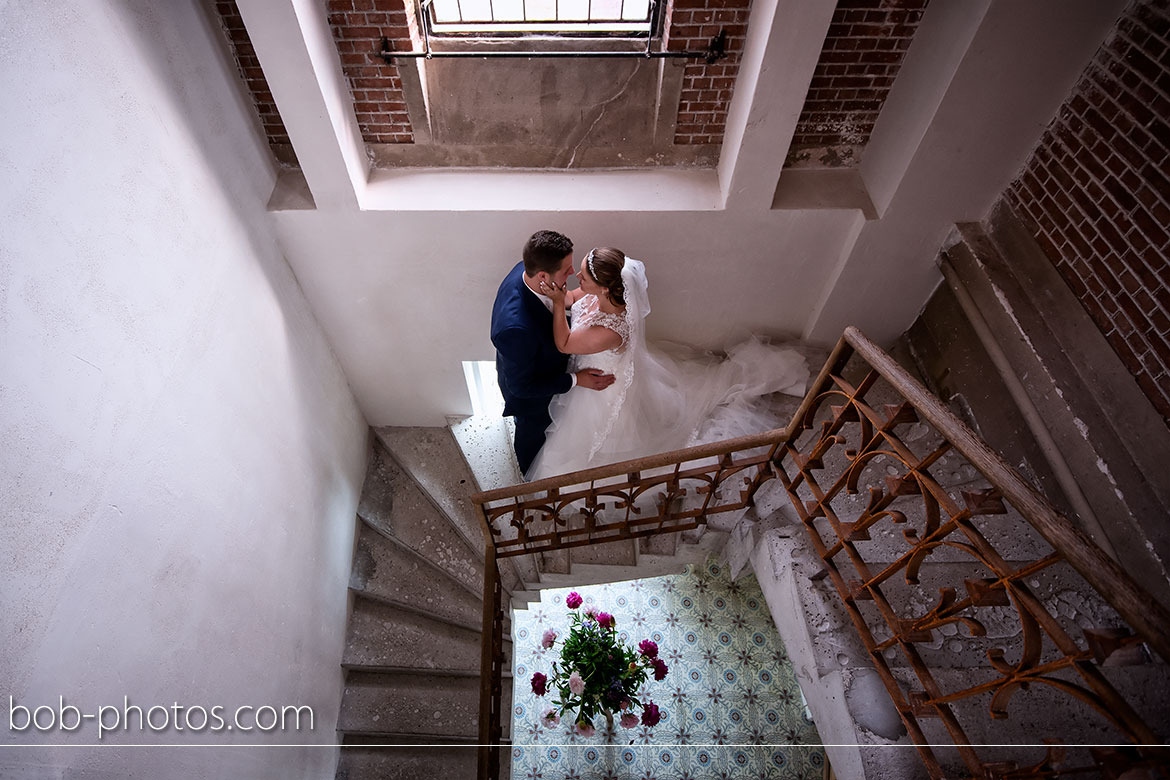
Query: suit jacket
x=530, y=368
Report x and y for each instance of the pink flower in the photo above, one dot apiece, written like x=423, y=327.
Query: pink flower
x=660, y=668
x=551, y=718
x=576, y=684
x=589, y=611
x=547, y=640
x=539, y=682
x=648, y=648
x=629, y=720
x=625, y=705
x=605, y=620
x=650, y=714
x=585, y=729
x=573, y=600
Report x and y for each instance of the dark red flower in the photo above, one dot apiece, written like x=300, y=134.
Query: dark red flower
x=539, y=684
x=648, y=648
x=650, y=714
x=660, y=668
x=573, y=600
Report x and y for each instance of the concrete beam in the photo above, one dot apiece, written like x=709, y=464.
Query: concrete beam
x=296, y=51
x=784, y=42
x=938, y=47
x=1020, y=65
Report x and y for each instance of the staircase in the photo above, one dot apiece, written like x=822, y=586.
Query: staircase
x=1008, y=346
x=412, y=655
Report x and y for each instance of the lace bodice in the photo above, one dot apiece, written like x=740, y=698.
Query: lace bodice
x=586, y=313
x=660, y=401
x=615, y=361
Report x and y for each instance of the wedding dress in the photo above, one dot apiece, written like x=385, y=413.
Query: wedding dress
x=659, y=402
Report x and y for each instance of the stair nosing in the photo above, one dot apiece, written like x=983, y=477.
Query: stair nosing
x=420, y=612
x=424, y=559
x=368, y=669
x=476, y=550
x=453, y=738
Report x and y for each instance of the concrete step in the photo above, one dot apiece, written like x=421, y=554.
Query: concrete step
x=694, y=535
x=486, y=441
x=554, y=562
x=623, y=553
x=435, y=460
x=486, y=444
x=407, y=762
x=662, y=544
x=647, y=566
x=415, y=703
x=381, y=634
x=389, y=570
x=394, y=504
x=522, y=598
x=1045, y=388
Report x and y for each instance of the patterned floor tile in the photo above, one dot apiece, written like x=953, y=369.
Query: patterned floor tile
x=731, y=707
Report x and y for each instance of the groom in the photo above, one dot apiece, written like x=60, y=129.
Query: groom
x=530, y=368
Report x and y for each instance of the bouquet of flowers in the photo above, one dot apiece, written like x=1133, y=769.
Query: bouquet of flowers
x=598, y=674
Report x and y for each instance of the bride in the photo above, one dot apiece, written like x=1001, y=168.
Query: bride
x=657, y=403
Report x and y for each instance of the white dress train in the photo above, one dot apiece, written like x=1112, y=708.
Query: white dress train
x=659, y=402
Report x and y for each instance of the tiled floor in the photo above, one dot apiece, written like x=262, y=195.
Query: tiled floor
x=730, y=705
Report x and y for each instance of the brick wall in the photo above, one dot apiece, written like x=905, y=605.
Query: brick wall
x=249, y=66
x=1096, y=194
x=863, y=51
x=706, y=89
x=358, y=28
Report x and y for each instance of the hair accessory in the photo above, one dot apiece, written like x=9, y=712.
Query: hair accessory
x=589, y=264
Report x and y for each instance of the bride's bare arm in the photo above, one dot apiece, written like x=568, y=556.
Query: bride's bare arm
x=586, y=341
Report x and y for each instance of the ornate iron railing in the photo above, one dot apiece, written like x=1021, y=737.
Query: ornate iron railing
x=883, y=431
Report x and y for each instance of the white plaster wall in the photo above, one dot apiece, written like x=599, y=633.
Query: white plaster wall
x=181, y=455
x=406, y=296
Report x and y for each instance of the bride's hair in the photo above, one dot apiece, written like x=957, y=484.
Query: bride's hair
x=605, y=266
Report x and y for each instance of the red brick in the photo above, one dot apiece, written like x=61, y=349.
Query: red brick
x=1160, y=348
x=1124, y=351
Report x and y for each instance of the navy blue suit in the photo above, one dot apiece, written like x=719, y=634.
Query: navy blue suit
x=530, y=368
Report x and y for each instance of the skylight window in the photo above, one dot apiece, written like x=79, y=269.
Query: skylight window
x=510, y=17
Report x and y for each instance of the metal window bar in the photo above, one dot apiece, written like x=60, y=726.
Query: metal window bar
x=716, y=50
x=828, y=453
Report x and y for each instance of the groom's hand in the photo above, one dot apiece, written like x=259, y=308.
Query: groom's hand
x=594, y=378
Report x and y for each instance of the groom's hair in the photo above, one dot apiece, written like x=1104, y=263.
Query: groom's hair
x=545, y=251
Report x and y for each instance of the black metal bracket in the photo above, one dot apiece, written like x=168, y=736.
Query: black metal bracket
x=716, y=50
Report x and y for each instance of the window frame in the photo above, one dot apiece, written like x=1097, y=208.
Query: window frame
x=616, y=30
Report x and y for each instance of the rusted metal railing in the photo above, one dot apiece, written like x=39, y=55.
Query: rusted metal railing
x=839, y=442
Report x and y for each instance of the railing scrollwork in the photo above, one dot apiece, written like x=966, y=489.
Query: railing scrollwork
x=863, y=465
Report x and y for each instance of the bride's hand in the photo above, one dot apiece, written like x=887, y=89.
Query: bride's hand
x=557, y=294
